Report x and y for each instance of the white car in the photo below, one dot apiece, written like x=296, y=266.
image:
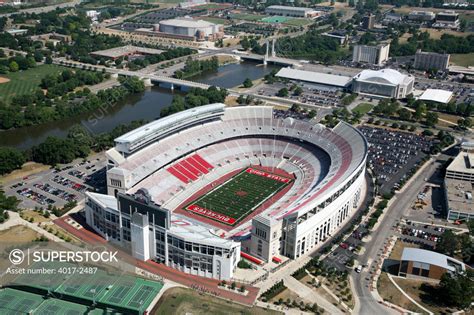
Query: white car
x=358, y=269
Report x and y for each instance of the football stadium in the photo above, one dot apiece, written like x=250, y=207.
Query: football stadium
x=198, y=189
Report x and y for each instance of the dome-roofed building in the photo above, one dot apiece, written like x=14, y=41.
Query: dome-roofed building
x=383, y=83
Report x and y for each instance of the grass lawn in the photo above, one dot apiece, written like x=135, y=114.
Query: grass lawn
x=413, y=289
x=186, y=301
x=215, y=20
x=232, y=201
x=391, y=294
x=23, y=82
x=463, y=60
x=298, y=22
x=247, y=17
x=363, y=108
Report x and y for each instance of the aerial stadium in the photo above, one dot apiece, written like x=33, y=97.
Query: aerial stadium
x=199, y=189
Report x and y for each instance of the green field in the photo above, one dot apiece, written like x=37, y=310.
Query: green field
x=23, y=82
x=115, y=290
x=298, y=22
x=464, y=60
x=186, y=301
x=275, y=19
x=247, y=17
x=238, y=197
x=363, y=108
x=215, y=20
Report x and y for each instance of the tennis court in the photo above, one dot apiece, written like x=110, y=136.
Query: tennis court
x=120, y=291
x=13, y=302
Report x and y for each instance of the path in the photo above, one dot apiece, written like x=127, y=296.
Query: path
x=310, y=295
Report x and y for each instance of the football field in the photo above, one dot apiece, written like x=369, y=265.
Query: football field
x=235, y=199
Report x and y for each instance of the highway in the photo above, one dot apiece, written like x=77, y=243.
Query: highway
x=47, y=8
x=398, y=207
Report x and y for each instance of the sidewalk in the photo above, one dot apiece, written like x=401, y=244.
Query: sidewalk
x=310, y=295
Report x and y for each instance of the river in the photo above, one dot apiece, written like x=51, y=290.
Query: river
x=146, y=105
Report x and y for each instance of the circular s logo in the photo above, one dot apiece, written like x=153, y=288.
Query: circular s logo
x=16, y=256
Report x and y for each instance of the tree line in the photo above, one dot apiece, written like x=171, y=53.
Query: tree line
x=194, y=67
x=448, y=43
x=194, y=98
x=79, y=142
x=35, y=108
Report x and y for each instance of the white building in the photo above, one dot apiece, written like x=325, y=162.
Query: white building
x=292, y=11
x=430, y=60
x=376, y=55
x=459, y=183
x=337, y=81
x=421, y=16
x=447, y=19
x=383, y=83
x=187, y=27
x=154, y=170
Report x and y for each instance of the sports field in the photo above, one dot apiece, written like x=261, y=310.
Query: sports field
x=122, y=291
x=235, y=199
x=275, y=19
x=26, y=81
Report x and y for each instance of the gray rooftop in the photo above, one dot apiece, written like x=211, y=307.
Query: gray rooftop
x=314, y=77
x=430, y=257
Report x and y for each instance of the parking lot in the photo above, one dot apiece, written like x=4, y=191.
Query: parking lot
x=461, y=92
x=312, y=94
x=393, y=153
x=346, y=251
x=56, y=187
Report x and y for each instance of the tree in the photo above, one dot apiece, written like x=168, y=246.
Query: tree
x=456, y=290
x=465, y=123
x=298, y=91
x=247, y=83
x=10, y=159
x=283, y=92
x=404, y=114
x=420, y=111
x=448, y=243
x=431, y=119
x=14, y=66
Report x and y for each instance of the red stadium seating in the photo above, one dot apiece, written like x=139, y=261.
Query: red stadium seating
x=178, y=175
x=190, y=168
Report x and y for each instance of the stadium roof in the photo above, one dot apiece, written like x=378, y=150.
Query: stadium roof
x=186, y=22
x=314, y=77
x=430, y=257
x=165, y=122
x=106, y=201
x=435, y=95
x=384, y=76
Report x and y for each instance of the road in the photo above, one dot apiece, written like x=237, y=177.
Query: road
x=368, y=304
x=47, y=8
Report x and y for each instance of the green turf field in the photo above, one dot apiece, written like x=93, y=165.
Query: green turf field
x=26, y=81
x=18, y=302
x=238, y=197
x=115, y=290
x=275, y=19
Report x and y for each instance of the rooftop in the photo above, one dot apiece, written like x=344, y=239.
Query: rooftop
x=459, y=194
x=126, y=50
x=436, y=95
x=383, y=76
x=186, y=22
x=314, y=77
x=463, y=162
x=430, y=257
